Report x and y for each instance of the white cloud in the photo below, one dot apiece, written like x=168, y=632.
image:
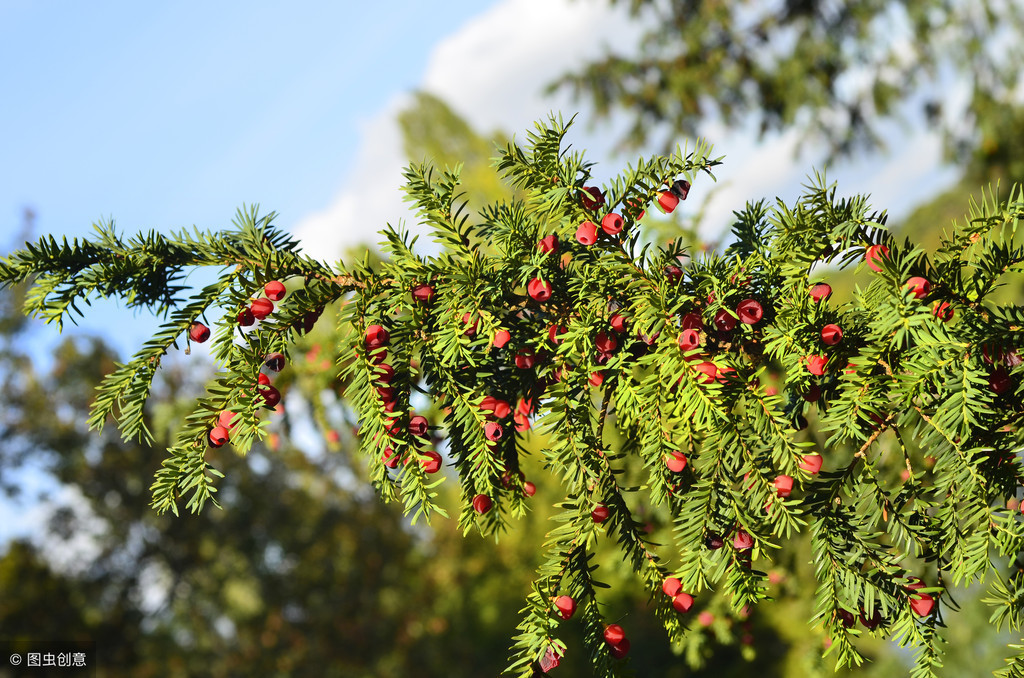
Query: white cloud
x=493, y=72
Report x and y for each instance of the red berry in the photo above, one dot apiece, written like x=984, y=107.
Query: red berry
x=846, y=618
x=750, y=311
x=874, y=254
x=614, y=634
x=831, y=334
x=389, y=458
x=529, y=489
x=692, y=321
x=218, y=436
x=199, y=332
x=714, y=541
x=618, y=322
x=482, y=503
x=501, y=337
x=271, y=396
x=871, y=622
x=494, y=431
x=675, y=461
x=261, y=308
x=606, y=343
x=667, y=201
x=423, y=292
x=470, y=326
x=550, y=660
x=689, y=340
x=499, y=407
x=708, y=371
x=566, y=606
x=922, y=604
x=418, y=426
x=816, y=364
x=600, y=513
x=376, y=337
x=820, y=292
x=433, y=462
x=724, y=321
x=263, y=380
x=682, y=602
x=224, y=419
x=742, y=541
x=274, y=290
x=274, y=361
x=673, y=273
x=586, y=234
x=592, y=197
x=611, y=224
x=999, y=381
x=942, y=310
x=918, y=286
x=596, y=379
x=621, y=650
x=245, y=317
x=539, y=290
x=784, y=485
x=671, y=587
x=385, y=373
x=548, y=244
x=811, y=463
x=525, y=359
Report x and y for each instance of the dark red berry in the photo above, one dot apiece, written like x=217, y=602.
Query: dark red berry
x=199, y=332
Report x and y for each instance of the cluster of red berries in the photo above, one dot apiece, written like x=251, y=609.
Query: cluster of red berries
x=221, y=432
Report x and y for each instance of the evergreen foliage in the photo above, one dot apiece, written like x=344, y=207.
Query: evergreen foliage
x=693, y=386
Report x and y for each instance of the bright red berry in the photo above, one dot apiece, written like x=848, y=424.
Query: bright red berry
x=494, y=431
x=501, y=337
x=682, y=602
x=816, y=364
x=245, y=317
x=539, y=290
x=783, y=485
x=675, y=462
x=606, y=343
x=724, y=321
x=750, y=311
x=586, y=234
x=261, y=308
x=482, y=503
x=432, y=464
x=224, y=419
x=566, y=606
x=708, y=372
x=742, y=541
x=692, y=321
x=671, y=587
x=529, y=489
x=618, y=322
x=811, y=463
x=218, y=436
x=376, y=337
x=600, y=513
x=389, y=458
x=942, y=310
x=831, y=334
x=596, y=379
x=418, y=426
x=611, y=224
x=820, y=292
x=274, y=290
x=921, y=603
x=667, y=201
x=614, y=634
x=548, y=244
x=199, y=332
x=470, y=322
x=263, y=380
x=918, y=286
x=525, y=359
x=874, y=254
x=689, y=340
